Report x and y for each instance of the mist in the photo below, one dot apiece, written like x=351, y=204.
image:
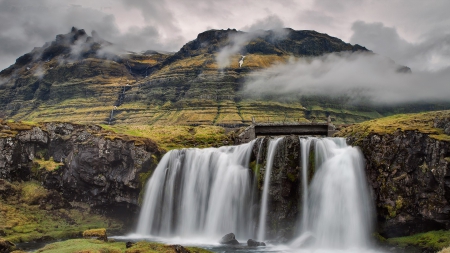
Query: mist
x=362, y=77
x=239, y=40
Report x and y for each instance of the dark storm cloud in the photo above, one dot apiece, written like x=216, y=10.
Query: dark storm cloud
x=432, y=50
x=361, y=77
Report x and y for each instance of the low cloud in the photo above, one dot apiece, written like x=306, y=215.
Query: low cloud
x=360, y=77
x=239, y=40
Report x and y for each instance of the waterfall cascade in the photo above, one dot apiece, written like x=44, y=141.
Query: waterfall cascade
x=199, y=192
x=210, y=192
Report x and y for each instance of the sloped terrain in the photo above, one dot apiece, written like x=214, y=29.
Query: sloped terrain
x=85, y=79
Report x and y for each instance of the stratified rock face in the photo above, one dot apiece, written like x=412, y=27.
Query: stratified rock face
x=409, y=174
x=81, y=78
x=103, y=171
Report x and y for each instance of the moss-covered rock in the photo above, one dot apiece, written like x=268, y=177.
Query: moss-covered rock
x=98, y=233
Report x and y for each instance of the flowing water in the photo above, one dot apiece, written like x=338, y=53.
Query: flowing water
x=195, y=196
x=199, y=193
x=265, y=195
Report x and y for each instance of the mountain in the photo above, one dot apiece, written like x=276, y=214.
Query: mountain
x=82, y=78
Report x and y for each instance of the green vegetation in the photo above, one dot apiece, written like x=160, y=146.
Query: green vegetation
x=85, y=246
x=49, y=164
x=421, y=122
x=96, y=246
x=99, y=233
x=173, y=137
x=435, y=240
x=9, y=128
x=26, y=214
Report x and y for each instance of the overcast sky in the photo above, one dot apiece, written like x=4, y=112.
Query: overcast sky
x=415, y=33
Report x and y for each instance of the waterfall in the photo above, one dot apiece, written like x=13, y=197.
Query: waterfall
x=265, y=195
x=199, y=193
x=304, y=147
x=207, y=193
x=339, y=207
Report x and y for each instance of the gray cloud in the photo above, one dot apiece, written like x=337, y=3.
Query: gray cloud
x=420, y=26
x=25, y=24
x=360, y=77
x=432, y=53
x=238, y=41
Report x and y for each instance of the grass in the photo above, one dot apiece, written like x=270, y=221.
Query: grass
x=96, y=246
x=435, y=240
x=85, y=246
x=173, y=137
x=26, y=215
x=49, y=164
x=421, y=122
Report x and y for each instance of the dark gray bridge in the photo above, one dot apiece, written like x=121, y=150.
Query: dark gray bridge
x=276, y=129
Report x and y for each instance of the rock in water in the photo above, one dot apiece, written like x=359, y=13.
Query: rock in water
x=229, y=239
x=253, y=243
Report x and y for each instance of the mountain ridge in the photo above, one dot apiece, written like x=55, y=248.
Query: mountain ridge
x=86, y=79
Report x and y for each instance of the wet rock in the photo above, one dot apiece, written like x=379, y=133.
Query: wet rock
x=253, y=243
x=129, y=244
x=229, y=239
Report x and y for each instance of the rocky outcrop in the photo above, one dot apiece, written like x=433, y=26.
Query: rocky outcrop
x=409, y=172
x=85, y=163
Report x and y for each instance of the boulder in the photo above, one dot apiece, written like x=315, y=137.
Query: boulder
x=253, y=243
x=229, y=239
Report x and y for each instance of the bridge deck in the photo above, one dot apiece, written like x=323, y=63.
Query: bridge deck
x=273, y=129
x=300, y=129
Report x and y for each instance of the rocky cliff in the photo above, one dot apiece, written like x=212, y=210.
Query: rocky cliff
x=84, y=163
x=408, y=169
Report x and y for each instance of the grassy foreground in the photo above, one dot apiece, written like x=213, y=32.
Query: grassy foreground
x=422, y=122
x=29, y=212
x=434, y=240
x=97, y=246
x=173, y=137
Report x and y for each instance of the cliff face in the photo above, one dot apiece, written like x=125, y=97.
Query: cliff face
x=84, y=163
x=410, y=175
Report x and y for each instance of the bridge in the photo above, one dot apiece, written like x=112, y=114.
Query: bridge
x=276, y=129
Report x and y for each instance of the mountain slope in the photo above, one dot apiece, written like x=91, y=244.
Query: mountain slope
x=87, y=79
